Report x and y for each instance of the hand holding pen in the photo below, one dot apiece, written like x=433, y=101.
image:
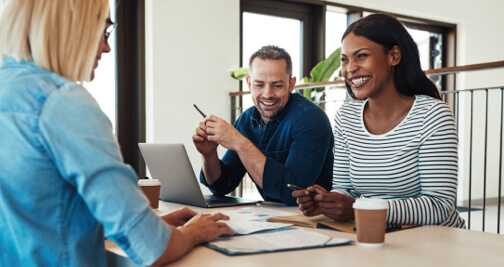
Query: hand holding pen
x=307, y=202
x=200, y=138
x=201, y=112
x=218, y=130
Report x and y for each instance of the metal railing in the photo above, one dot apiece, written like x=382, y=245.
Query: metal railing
x=479, y=120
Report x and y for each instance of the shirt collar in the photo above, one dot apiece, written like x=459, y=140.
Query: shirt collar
x=9, y=61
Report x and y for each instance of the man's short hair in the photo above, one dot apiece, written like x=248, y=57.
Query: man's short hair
x=272, y=52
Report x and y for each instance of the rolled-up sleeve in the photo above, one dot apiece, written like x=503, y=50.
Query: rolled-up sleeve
x=78, y=136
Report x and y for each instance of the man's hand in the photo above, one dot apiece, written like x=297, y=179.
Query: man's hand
x=221, y=132
x=214, y=131
x=179, y=217
x=200, y=140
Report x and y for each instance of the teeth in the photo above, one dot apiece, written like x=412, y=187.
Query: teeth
x=359, y=80
x=268, y=103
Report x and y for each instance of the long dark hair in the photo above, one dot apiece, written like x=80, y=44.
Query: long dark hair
x=388, y=31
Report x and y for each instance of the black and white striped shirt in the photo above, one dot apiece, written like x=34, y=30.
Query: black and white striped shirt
x=414, y=166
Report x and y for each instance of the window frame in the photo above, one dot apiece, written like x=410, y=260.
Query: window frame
x=312, y=14
x=130, y=81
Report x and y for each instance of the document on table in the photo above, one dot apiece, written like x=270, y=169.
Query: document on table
x=249, y=220
x=281, y=240
x=255, y=213
x=245, y=227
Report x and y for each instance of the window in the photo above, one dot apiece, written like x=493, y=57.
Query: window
x=260, y=30
x=321, y=26
x=103, y=87
x=292, y=26
x=435, y=41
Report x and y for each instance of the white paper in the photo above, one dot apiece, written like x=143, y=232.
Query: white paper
x=245, y=227
x=249, y=220
x=279, y=240
x=255, y=213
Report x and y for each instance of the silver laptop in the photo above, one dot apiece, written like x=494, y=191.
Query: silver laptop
x=171, y=165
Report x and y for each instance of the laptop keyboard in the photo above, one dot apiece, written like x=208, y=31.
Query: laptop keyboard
x=224, y=199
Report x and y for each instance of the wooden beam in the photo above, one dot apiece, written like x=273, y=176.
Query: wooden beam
x=441, y=71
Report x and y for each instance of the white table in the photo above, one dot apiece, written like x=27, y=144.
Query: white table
x=421, y=246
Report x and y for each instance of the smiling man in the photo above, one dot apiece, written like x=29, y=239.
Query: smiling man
x=283, y=139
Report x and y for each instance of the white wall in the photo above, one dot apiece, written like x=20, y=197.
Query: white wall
x=192, y=45
x=190, y=48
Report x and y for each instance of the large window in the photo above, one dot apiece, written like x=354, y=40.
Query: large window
x=103, y=87
x=311, y=30
x=259, y=30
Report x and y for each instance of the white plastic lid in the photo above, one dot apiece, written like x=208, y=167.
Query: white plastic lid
x=370, y=204
x=148, y=182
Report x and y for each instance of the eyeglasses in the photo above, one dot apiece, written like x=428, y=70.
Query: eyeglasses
x=109, y=29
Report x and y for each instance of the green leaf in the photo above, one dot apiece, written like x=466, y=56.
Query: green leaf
x=307, y=93
x=326, y=68
x=306, y=80
x=239, y=73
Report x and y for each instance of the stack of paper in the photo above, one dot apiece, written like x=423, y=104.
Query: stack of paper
x=291, y=239
x=253, y=234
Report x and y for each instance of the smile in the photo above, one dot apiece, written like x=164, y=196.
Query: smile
x=359, y=81
x=268, y=103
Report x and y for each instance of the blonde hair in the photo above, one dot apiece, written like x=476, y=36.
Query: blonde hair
x=58, y=35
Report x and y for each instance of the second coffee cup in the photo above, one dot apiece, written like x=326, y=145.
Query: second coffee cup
x=151, y=189
x=370, y=221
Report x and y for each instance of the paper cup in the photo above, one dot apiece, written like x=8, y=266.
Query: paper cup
x=370, y=221
x=151, y=189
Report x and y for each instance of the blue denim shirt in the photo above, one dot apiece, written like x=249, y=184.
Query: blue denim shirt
x=298, y=144
x=63, y=184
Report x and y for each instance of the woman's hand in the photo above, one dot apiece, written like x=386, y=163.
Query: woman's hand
x=179, y=217
x=306, y=201
x=335, y=205
x=206, y=227
x=199, y=229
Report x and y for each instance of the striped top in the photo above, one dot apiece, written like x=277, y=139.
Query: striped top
x=414, y=166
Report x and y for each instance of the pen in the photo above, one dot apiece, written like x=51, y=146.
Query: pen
x=295, y=187
x=201, y=112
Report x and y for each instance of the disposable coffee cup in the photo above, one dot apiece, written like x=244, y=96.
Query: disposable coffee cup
x=370, y=221
x=151, y=189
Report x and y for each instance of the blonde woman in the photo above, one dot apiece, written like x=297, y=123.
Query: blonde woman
x=63, y=185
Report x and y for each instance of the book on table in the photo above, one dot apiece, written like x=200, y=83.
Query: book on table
x=322, y=221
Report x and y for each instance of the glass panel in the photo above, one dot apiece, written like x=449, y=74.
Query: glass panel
x=429, y=47
x=103, y=87
x=336, y=24
x=260, y=30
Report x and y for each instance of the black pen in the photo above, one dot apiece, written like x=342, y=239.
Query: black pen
x=201, y=112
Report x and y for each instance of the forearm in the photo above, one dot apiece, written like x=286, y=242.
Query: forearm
x=211, y=168
x=437, y=174
x=182, y=240
x=253, y=160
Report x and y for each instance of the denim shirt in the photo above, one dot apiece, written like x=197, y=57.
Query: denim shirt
x=298, y=144
x=63, y=184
